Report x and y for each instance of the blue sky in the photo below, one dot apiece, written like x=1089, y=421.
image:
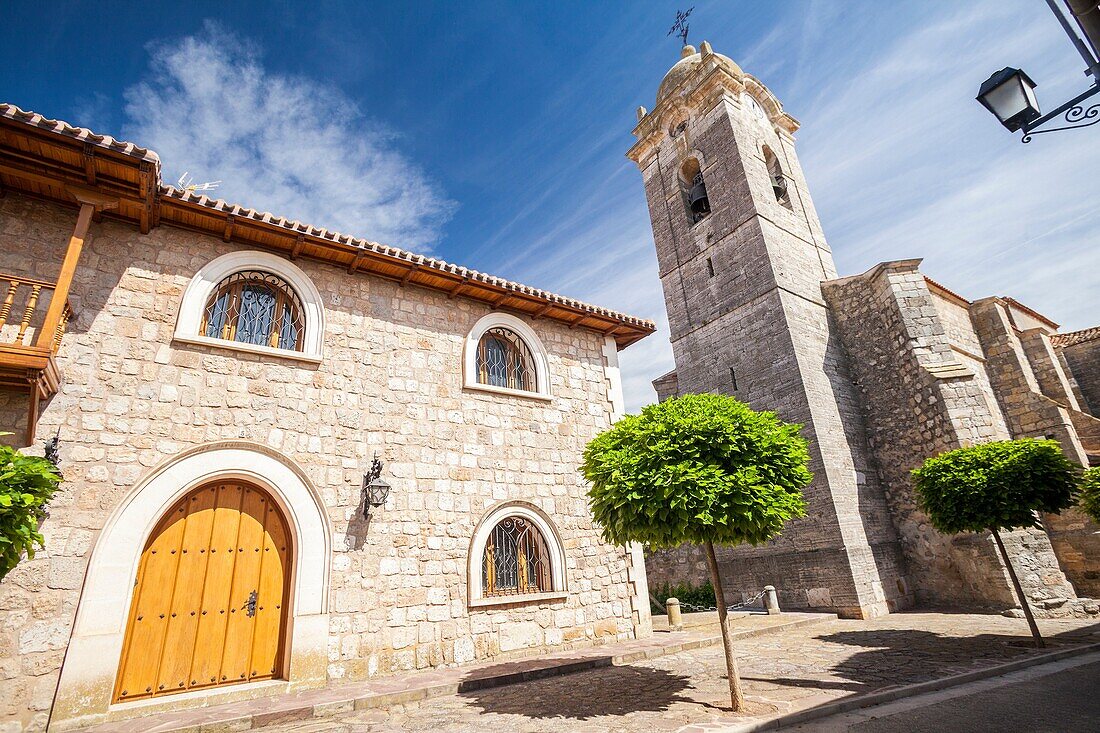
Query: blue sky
x=493, y=134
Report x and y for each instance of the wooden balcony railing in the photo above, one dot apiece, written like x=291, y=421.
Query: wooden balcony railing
x=31, y=328
x=21, y=314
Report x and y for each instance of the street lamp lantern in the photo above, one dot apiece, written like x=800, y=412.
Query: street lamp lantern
x=1010, y=95
x=376, y=490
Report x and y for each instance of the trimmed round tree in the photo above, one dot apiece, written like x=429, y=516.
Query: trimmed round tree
x=704, y=469
x=1090, y=493
x=27, y=483
x=996, y=486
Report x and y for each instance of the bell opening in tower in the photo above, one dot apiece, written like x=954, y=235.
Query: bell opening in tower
x=694, y=190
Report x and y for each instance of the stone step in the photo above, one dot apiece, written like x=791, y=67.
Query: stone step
x=395, y=690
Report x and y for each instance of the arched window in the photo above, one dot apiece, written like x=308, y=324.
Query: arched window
x=515, y=556
x=694, y=190
x=503, y=360
x=778, y=180
x=256, y=302
x=516, y=560
x=503, y=354
x=254, y=307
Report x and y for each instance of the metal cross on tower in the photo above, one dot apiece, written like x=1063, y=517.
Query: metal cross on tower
x=680, y=27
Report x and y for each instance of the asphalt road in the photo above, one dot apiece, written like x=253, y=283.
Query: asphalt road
x=1062, y=701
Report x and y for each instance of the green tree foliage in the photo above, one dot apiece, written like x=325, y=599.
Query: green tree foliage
x=996, y=486
x=702, y=469
x=698, y=468
x=27, y=484
x=1090, y=493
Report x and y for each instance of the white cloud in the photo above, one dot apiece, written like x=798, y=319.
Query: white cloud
x=289, y=145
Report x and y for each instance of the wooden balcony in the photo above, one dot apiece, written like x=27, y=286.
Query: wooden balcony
x=28, y=340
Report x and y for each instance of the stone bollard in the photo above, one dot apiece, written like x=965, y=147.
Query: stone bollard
x=675, y=622
x=771, y=600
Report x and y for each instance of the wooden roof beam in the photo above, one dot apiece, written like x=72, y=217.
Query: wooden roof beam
x=409, y=273
x=149, y=217
x=359, y=256
x=60, y=181
x=88, y=156
x=227, y=233
x=542, y=311
x=299, y=242
x=454, y=291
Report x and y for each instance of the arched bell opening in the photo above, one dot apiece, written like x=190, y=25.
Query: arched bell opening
x=694, y=190
x=778, y=180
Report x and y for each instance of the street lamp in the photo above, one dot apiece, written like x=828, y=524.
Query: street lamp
x=1010, y=93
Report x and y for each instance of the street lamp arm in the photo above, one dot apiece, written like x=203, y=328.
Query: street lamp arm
x=1075, y=113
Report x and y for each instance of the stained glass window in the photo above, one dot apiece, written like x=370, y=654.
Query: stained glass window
x=254, y=307
x=503, y=360
x=516, y=560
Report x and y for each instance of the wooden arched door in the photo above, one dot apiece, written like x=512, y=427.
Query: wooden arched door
x=211, y=595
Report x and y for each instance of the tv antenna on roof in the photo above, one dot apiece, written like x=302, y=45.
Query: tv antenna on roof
x=680, y=27
x=188, y=184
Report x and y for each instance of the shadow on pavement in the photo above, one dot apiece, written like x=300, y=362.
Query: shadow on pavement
x=907, y=656
x=601, y=692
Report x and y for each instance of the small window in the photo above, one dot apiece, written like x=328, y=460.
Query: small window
x=694, y=191
x=254, y=307
x=778, y=180
x=504, y=360
x=516, y=560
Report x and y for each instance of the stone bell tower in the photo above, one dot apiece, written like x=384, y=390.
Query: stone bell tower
x=742, y=257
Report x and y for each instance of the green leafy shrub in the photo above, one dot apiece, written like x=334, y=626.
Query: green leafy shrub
x=27, y=483
x=1090, y=493
x=699, y=596
x=996, y=486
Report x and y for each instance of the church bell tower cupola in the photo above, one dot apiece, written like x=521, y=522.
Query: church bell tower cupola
x=741, y=258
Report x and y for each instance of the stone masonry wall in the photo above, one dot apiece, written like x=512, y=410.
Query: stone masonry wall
x=1084, y=361
x=899, y=344
x=1022, y=367
x=391, y=381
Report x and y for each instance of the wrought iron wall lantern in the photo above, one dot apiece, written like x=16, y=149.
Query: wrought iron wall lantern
x=375, y=489
x=51, y=450
x=1010, y=93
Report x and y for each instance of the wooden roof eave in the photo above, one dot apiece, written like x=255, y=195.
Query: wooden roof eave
x=412, y=271
x=153, y=206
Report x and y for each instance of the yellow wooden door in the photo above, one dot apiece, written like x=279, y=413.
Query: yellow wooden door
x=210, y=597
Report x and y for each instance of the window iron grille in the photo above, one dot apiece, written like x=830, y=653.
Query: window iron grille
x=255, y=307
x=504, y=360
x=516, y=560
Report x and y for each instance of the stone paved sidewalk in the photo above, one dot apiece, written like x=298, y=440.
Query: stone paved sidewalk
x=421, y=685
x=787, y=671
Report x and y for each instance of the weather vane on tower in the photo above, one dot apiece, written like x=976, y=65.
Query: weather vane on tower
x=680, y=27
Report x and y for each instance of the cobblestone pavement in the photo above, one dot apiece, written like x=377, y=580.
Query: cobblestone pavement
x=790, y=670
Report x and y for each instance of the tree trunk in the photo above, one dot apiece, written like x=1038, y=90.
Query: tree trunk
x=1019, y=592
x=737, y=697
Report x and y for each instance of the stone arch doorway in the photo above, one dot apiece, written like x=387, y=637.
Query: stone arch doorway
x=88, y=686
x=210, y=600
